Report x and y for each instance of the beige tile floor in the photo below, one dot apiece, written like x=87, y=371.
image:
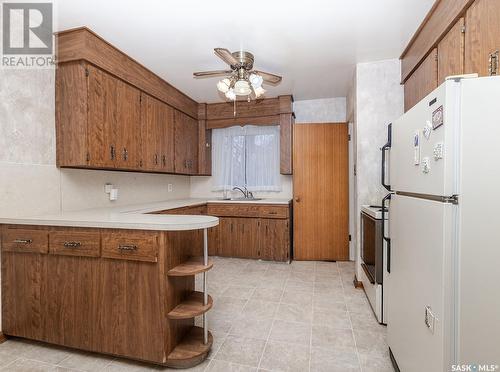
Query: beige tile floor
x=306, y=316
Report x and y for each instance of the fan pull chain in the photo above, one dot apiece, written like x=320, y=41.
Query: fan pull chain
x=234, y=110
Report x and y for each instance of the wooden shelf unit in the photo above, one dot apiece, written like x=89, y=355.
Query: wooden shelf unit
x=192, y=306
x=191, y=267
x=191, y=350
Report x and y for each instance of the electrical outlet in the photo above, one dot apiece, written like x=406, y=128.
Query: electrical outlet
x=170, y=187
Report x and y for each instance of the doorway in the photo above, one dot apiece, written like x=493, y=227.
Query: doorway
x=321, y=191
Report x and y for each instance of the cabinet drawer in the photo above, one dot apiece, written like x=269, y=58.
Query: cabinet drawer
x=233, y=210
x=195, y=210
x=75, y=243
x=269, y=211
x=248, y=210
x=25, y=240
x=130, y=246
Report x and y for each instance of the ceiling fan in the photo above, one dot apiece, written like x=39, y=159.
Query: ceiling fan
x=242, y=80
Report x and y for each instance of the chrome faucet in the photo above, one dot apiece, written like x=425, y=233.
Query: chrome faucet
x=246, y=193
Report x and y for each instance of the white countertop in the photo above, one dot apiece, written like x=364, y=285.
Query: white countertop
x=134, y=216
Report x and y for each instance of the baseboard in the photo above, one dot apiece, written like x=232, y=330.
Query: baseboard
x=393, y=361
x=357, y=283
x=3, y=338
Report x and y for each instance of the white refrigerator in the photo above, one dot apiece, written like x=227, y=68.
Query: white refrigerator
x=444, y=230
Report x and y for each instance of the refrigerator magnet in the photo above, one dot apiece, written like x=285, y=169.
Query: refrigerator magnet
x=416, y=148
x=437, y=118
x=427, y=130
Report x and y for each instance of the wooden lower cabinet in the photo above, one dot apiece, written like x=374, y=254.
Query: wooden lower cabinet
x=275, y=239
x=22, y=296
x=115, y=305
x=252, y=236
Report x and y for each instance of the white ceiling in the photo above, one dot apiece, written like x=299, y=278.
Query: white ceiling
x=313, y=44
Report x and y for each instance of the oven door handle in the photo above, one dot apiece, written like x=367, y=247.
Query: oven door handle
x=385, y=238
x=384, y=149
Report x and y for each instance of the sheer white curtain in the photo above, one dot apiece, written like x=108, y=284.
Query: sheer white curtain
x=246, y=156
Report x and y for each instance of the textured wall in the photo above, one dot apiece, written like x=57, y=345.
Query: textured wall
x=377, y=101
x=326, y=110
x=30, y=183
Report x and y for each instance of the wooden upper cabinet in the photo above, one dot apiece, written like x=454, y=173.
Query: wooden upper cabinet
x=128, y=126
x=186, y=144
x=101, y=128
x=158, y=134
x=451, y=52
x=423, y=81
x=113, y=129
x=482, y=37
x=71, y=114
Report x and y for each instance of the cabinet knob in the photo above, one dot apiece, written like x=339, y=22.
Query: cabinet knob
x=297, y=200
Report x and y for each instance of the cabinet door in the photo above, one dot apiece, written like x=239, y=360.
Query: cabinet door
x=151, y=139
x=101, y=127
x=275, y=242
x=130, y=317
x=166, y=132
x=248, y=229
x=128, y=126
x=214, y=241
x=71, y=307
x=482, y=36
x=451, y=52
x=158, y=135
x=22, y=299
x=423, y=81
x=186, y=144
x=229, y=237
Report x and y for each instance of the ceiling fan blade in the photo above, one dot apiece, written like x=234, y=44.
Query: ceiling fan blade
x=212, y=73
x=268, y=77
x=226, y=56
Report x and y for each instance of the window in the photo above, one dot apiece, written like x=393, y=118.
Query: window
x=246, y=156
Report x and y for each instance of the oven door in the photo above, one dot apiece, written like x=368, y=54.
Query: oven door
x=372, y=248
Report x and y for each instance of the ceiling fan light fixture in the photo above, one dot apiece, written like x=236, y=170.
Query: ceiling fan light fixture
x=224, y=85
x=230, y=94
x=259, y=91
x=256, y=80
x=242, y=88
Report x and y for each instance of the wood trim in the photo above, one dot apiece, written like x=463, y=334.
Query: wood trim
x=83, y=44
x=257, y=120
x=259, y=107
x=440, y=19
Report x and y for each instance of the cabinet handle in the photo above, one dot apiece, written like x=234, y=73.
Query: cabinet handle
x=72, y=244
x=493, y=63
x=125, y=154
x=273, y=212
x=23, y=241
x=164, y=160
x=127, y=247
x=112, y=150
x=156, y=159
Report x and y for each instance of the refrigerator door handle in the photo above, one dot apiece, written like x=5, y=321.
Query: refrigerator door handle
x=384, y=149
x=385, y=238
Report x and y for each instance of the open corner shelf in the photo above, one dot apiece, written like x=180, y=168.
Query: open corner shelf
x=191, y=350
x=192, y=306
x=192, y=266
